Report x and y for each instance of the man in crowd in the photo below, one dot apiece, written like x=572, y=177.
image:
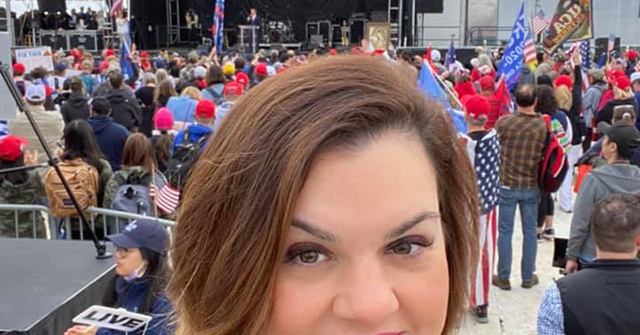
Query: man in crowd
x=522, y=137
x=616, y=177
x=18, y=77
x=483, y=149
x=49, y=122
x=603, y=298
x=205, y=116
x=110, y=135
x=488, y=91
x=125, y=108
x=635, y=82
x=77, y=106
x=232, y=92
x=590, y=103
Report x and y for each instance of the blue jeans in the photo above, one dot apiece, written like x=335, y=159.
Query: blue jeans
x=528, y=199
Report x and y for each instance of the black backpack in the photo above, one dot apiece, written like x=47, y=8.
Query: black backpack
x=184, y=157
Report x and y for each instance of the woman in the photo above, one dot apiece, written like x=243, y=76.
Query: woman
x=163, y=93
x=163, y=138
x=141, y=272
x=81, y=147
x=145, y=95
x=183, y=108
x=561, y=127
x=20, y=188
x=622, y=95
x=139, y=167
x=340, y=196
x=592, y=157
x=215, y=85
x=568, y=94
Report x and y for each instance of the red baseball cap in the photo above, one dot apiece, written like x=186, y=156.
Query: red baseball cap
x=487, y=83
x=632, y=55
x=19, y=69
x=144, y=54
x=242, y=78
x=261, y=70
x=12, y=147
x=477, y=106
x=233, y=89
x=109, y=52
x=564, y=80
x=206, y=109
x=623, y=83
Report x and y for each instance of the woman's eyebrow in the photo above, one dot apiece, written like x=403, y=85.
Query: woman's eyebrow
x=315, y=231
x=418, y=218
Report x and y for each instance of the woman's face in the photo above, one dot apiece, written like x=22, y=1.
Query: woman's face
x=127, y=261
x=366, y=253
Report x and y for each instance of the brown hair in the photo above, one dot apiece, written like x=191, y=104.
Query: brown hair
x=138, y=151
x=615, y=223
x=164, y=90
x=229, y=244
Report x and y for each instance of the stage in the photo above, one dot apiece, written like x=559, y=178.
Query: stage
x=44, y=284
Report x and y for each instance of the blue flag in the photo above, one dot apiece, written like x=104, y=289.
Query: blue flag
x=451, y=56
x=432, y=89
x=514, y=54
x=218, y=26
x=125, y=60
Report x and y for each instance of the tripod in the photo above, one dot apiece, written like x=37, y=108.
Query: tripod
x=101, y=248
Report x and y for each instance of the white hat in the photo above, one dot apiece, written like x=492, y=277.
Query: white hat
x=200, y=72
x=635, y=77
x=36, y=93
x=435, y=55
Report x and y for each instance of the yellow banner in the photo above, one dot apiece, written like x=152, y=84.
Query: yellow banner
x=573, y=21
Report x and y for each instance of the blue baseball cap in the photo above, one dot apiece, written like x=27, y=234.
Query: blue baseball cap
x=142, y=233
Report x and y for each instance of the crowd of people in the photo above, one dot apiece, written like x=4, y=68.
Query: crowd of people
x=131, y=141
x=73, y=20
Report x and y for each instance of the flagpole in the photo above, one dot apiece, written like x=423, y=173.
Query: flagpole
x=446, y=88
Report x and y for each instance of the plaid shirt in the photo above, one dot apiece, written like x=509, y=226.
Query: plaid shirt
x=522, y=139
x=550, y=314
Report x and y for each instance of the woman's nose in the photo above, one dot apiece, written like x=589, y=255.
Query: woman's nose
x=366, y=295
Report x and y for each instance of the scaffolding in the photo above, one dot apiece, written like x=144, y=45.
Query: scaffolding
x=395, y=21
x=173, y=22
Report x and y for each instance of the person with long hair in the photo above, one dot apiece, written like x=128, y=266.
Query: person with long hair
x=622, y=95
x=338, y=201
x=138, y=163
x=141, y=274
x=145, y=96
x=163, y=137
x=163, y=93
x=183, y=107
x=215, y=85
x=561, y=127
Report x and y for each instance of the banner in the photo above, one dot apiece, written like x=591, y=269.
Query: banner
x=573, y=21
x=514, y=54
x=218, y=26
x=35, y=57
x=431, y=87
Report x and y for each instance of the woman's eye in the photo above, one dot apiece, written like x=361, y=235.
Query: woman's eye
x=305, y=256
x=408, y=246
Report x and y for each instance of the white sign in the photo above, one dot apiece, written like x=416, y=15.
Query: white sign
x=35, y=57
x=112, y=318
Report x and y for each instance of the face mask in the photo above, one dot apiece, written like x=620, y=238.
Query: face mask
x=137, y=273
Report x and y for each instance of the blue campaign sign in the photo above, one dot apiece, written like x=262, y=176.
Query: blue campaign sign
x=514, y=54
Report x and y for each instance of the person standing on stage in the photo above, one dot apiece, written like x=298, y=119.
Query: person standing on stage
x=193, y=26
x=253, y=19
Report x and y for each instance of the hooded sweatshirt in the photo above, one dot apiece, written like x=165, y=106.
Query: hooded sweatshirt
x=111, y=138
x=76, y=107
x=599, y=184
x=126, y=110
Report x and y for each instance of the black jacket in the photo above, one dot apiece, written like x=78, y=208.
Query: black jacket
x=111, y=138
x=76, y=107
x=126, y=110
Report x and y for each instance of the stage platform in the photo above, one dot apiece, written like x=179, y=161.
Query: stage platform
x=45, y=284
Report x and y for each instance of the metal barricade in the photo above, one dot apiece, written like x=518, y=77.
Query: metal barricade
x=47, y=219
x=97, y=217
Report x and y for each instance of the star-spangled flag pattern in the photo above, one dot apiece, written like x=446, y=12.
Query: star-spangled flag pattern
x=218, y=25
x=485, y=157
x=539, y=23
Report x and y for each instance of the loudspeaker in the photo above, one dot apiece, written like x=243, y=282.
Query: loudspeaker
x=602, y=45
x=52, y=5
x=356, y=30
x=313, y=28
x=324, y=29
x=430, y=6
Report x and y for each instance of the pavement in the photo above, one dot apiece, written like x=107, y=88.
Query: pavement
x=515, y=312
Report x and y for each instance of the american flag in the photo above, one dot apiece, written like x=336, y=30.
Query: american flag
x=450, y=58
x=485, y=157
x=116, y=7
x=168, y=199
x=530, y=53
x=218, y=26
x=585, y=60
x=539, y=23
